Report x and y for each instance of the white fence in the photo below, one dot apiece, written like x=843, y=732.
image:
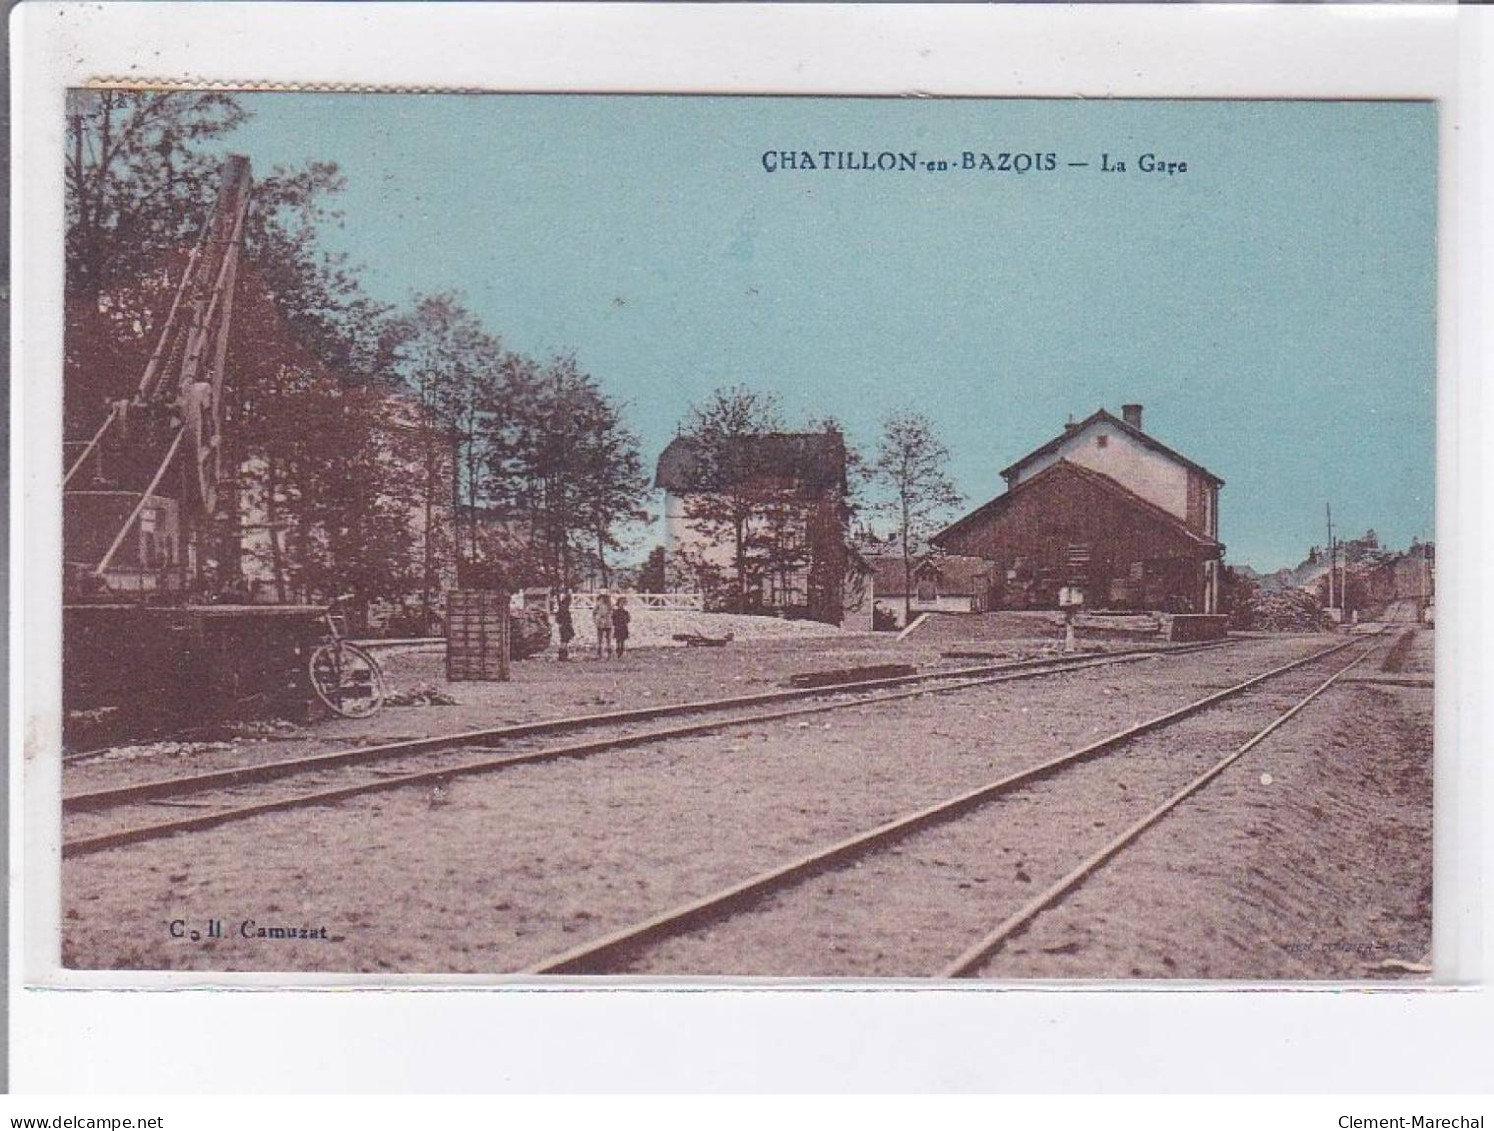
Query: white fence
x=585, y=600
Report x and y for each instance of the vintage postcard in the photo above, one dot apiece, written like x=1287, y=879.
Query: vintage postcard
x=747, y=537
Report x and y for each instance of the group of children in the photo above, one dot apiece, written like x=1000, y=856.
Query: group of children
x=611, y=621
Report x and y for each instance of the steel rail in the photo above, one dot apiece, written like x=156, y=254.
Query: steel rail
x=597, y=955
x=136, y=834
x=402, y=747
x=977, y=955
x=268, y=771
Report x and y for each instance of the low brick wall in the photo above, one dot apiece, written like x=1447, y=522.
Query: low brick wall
x=1180, y=628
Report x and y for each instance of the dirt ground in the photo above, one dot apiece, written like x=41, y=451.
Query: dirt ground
x=543, y=689
x=1313, y=854
x=1243, y=883
x=497, y=872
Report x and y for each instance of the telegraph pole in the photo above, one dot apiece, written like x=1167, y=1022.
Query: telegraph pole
x=1332, y=554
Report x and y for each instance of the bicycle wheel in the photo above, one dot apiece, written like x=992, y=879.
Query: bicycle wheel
x=347, y=679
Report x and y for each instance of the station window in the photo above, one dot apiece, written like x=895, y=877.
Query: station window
x=1102, y=441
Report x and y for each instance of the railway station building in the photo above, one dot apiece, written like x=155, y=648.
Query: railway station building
x=1105, y=507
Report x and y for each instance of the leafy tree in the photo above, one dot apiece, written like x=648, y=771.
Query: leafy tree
x=139, y=173
x=1365, y=548
x=332, y=486
x=1238, y=595
x=564, y=464
x=652, y=578
x=449, y=364
x=734, y=486
x=767, y=512
x=314, y=423
x=911, y=467
x=308, y=349
x=139, y=176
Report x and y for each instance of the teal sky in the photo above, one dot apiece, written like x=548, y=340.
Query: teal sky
x=1273, y=307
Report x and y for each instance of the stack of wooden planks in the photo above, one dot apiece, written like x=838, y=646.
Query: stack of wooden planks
x=477, y=628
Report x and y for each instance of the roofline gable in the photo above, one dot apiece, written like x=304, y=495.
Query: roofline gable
x=1064, y=466
x=1104, y=416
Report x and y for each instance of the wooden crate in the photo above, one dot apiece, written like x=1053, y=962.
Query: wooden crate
x=477, y=635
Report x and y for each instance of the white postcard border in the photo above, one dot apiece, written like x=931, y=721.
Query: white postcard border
x=1100, y=51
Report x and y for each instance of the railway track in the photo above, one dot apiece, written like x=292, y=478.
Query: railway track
x=765, y=896
x=114, y=817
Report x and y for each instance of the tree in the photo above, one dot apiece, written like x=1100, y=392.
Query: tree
x=766, y=511
x=315, y=497
x=309, y=416
x=733, y=486
x=910, y=466
x=1238, y=595
x=138, y=178
x=563, y=463
x=1365, y=548
x=451, y=367
x=651, y=578
x=332, y=487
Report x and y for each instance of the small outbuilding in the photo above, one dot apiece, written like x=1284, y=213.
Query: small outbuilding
x=940, y=583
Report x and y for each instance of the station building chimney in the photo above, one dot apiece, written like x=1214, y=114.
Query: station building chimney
x=1131, y=414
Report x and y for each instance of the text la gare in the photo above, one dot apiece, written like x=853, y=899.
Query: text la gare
x=1146, y=163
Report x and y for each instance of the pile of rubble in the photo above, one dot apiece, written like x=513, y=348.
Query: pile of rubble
x=664, y=628
x=262, y=729
x=421, y=695
x=1282, y=610
x=529, y=630
x=164, y=749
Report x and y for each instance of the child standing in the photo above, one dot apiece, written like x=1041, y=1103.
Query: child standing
x=620, y=619
x=601, y=616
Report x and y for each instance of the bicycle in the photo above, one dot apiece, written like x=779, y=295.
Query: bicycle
x=345, y=678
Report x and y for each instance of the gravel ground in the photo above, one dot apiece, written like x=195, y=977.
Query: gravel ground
x=540, y=689
x=1412, y=652
x=911, y=910
x=493, y=755
x=1325, y=872
x=496, y=872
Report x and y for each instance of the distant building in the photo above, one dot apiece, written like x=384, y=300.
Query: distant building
x=791, y=488
x=270, y=562
x=1104, y=506
x=941, y=583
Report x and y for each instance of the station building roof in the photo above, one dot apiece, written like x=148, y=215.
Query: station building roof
x=1105, y=417
x=814, y=461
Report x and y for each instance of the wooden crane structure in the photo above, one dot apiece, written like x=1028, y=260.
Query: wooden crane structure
x=139, y=494
x=146, y=635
